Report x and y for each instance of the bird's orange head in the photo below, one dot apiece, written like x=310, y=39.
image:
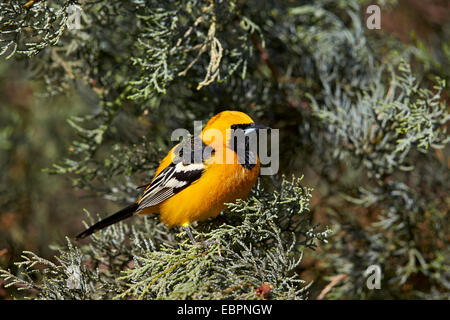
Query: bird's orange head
x=217, y=131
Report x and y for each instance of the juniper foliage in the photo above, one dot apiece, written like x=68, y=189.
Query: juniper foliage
x=362, y=115
x=257, y=243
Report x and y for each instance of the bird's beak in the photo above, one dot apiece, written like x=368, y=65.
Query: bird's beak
x=255, y=127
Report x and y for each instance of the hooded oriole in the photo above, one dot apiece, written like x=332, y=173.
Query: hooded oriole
x=187, y=188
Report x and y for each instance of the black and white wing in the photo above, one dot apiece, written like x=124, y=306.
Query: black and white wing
x=183, y=171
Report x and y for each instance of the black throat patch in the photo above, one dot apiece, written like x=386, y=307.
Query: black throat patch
x=246, y=157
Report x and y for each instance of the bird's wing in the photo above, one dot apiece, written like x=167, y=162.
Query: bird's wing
x=186, y=168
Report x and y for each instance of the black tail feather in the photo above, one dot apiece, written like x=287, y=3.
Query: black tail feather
x=116, y=217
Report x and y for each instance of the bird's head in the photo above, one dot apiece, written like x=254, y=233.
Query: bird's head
x=217, y=132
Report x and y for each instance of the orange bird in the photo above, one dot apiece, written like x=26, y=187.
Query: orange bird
x=197, y=177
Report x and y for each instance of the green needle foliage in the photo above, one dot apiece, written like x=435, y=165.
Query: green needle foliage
x=362, y=116
x=256, y=243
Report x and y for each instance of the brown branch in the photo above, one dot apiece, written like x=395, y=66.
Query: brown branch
x=334, y=281
x=265, y=59
x=30, y=3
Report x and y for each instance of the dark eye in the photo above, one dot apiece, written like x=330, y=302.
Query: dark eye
x=241, y=126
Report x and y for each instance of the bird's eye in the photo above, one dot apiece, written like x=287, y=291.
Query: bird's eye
x=242, y=126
